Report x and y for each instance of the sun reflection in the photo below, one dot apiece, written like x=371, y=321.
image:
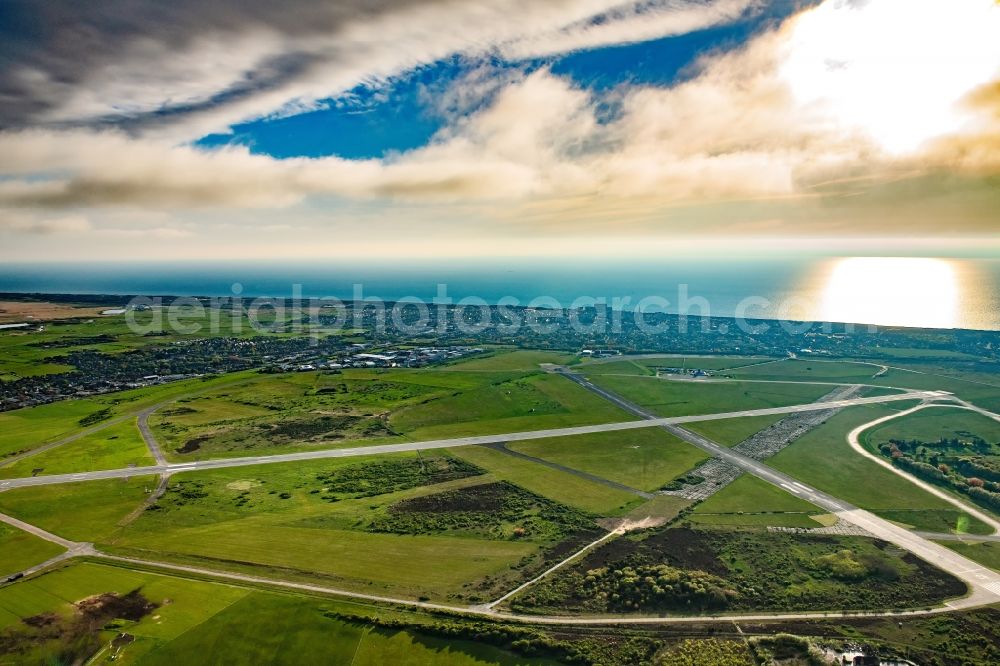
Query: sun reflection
x=892, y=291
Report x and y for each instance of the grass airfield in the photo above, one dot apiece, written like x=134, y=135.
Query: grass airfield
x=462, y=525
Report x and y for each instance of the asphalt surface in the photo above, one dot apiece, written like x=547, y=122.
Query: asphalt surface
x=487, y=611
x=173, y=468
x=854, y=439
x=148, y=436
x=65, y=440
x=984, y=584
x=502, y=448
x=964, y=538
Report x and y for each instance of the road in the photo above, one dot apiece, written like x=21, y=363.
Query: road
x=143, y=422
x=487, y=612
x=73, y=548
x=965, y=538
x=984, y=584
x=559, y=565
x=172, y=468
x=65, y=440
x=503, y=448
x=148, y=436
x=854, y=438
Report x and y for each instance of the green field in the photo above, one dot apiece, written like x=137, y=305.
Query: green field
x=519, y=361
x=977, y=386
x=823, y=458
x=119, y=445
x=750, y=501
x=625, y=367
x=527, y=403
x=88, y=511
x=986, y=553
x=20, y=550
x=730, y=432
x=643, y=459
x=25, y=429
x=336, y=521
x=649, y=365
x=684, y=398
x=561, y=486
x=801, y=370
x=930, y=425
x=189, y=619
x=303, y=411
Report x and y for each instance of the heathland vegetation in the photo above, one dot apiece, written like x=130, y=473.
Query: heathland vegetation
x=465, y=525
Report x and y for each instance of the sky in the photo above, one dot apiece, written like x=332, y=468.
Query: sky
x=147, y=130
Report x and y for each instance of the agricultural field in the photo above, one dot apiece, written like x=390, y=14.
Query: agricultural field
x=139, y=617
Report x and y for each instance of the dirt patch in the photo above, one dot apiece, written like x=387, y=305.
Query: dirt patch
x=76, y=637
x=193, y=445
x=245, y=484
x=18, y=311
x=178, y=411
x=132, y=606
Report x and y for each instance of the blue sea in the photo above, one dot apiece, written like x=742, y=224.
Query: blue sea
x=948, y=293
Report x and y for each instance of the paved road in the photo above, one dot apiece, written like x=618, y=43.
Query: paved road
x=37, y=531
x=854, y=438
x=148, y=436
x=486, y=611
x=590, y=546
x=65, y=440
x=965, y=538
x=143, y=416
x=503, y=448
x=984, y=584
x=449, y=443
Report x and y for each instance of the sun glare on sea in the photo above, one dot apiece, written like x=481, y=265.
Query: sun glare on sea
x=892, y=291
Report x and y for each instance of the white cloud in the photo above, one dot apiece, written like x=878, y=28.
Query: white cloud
x=743, y=127
x=188, y=69
x=41, y=225
x=629, y=24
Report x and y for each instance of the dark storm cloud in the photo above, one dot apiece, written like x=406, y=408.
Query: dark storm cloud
x=208, y=63
x=49, y=50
